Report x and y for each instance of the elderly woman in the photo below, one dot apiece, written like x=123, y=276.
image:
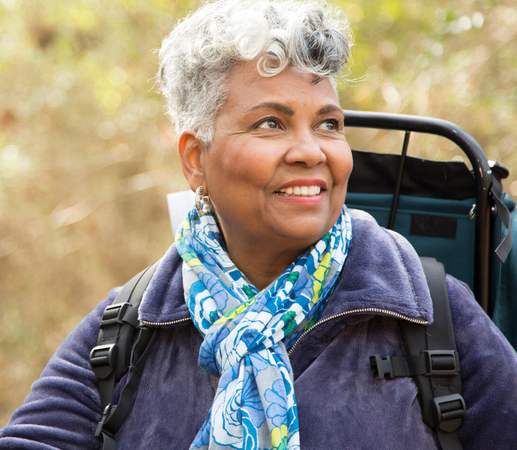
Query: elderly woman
x=274, y=295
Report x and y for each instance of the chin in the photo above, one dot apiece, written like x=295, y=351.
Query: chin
x=306, y=233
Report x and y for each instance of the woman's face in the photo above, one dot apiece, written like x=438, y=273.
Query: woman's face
x=278, y=165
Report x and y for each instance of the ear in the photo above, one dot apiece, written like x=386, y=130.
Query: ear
x=192, y=153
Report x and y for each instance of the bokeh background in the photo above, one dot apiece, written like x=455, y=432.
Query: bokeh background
x=87, y=155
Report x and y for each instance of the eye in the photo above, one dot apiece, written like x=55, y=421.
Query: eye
x=270, y=123
x=329, y=125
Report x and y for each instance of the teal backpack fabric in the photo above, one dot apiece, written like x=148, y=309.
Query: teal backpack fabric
x=435, y=213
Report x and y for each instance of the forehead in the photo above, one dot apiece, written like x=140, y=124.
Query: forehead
x=245, y=87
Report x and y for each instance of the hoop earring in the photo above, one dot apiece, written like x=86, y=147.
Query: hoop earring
x=202, y=202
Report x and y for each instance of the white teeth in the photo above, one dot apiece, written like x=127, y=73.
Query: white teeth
x=301, y=190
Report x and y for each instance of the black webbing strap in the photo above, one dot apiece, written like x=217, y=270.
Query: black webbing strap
x=114, y=416
x=429, y=362
x=110, y=358
x=443, y=407
x=432, y=361
x=506, y=244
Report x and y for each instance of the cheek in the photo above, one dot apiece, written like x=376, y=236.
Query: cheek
x=349, y=163
x=250, y=166
x=341, y=166
x=236, y=176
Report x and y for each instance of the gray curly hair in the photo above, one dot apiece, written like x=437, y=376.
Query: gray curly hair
x=197, y=56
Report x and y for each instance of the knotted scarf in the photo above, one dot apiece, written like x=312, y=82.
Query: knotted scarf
x=246, y=332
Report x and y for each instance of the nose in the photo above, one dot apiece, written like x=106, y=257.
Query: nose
x=305, y=149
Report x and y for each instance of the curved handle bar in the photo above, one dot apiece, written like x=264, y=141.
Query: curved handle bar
x=482, y=173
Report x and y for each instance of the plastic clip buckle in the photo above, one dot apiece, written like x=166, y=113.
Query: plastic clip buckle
x=113, y=314
x=381, y=367
x=441, y=362
x=106, y=414
x=102, y=359
x=449, y=411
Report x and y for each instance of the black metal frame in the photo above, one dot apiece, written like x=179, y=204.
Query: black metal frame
x=481, y=169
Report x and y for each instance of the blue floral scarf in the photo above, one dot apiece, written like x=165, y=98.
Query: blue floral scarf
x=246, y=332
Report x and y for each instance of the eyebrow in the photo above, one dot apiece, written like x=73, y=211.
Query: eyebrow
x=272, y=105
x=290, y=112
x=330, y=108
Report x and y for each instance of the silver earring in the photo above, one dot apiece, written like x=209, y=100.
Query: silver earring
x=202, y=202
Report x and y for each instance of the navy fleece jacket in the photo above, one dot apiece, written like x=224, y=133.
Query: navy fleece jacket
x=340, y=406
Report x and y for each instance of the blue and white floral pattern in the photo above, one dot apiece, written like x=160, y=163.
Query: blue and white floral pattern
x=246, y=332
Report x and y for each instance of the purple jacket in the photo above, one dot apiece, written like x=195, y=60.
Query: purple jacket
x=340, y=406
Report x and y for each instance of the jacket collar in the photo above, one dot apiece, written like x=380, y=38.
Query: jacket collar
x=382, y=273
x=163, y=301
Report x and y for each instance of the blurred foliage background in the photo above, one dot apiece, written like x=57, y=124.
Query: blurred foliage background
x=87, y=155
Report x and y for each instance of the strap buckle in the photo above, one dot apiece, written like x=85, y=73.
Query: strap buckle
x=106, y=414
x=449, y=411
x=114, y=314
x=441, y=362
x=381, y=367
x=102, y=360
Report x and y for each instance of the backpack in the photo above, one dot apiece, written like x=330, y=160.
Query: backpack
x=459, y=216
x=432, y=359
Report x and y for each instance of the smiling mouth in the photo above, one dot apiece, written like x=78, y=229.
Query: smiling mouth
x=299, y=191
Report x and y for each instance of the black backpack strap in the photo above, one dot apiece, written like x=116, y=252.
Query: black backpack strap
x=505, y=246
x=114, y=355
x=432, y=361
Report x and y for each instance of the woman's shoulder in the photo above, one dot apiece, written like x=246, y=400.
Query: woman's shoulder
x=366, y=228
x=382, y=250
x=488, y=372
x=68, y=388
x=383, y=270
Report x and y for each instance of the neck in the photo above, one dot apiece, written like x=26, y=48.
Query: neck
x=262, y=265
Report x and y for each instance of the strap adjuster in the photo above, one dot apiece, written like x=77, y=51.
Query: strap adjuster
x=102, y=360
x=449, y=411
x=441, y=362
x=115, y=314
x=381, y=367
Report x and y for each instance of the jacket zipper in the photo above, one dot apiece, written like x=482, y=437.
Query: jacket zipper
x=165, y=324
x=383, y=312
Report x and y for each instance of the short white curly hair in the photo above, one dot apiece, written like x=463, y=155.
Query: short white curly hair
x=197, y=56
